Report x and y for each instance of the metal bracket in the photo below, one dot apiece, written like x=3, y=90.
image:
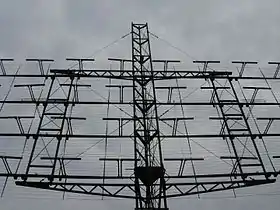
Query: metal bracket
x=277, y=68
x=205, y=64
x=2, y=60
x=40, y=63
x=80, y=61
x=243, y=65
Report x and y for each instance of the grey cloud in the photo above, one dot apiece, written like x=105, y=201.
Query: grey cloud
x=218, y=29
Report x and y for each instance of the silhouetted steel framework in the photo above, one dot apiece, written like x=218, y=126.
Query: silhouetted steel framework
x=150, y=184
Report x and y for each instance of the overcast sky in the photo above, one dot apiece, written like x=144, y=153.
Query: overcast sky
x=223, y=30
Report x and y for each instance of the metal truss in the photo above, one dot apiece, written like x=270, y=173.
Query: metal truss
x=125, y=190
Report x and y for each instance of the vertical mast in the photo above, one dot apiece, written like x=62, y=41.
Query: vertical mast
x=149, y=169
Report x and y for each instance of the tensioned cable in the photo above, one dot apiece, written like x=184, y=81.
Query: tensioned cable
x=274, y=96
x=250, y=113
x=168, y=110
x=106, y=138
x=69, y=128
x=186, y=130
x=223, y=126
x=86, y=150
x=98, y=94
x=200, y=145
x=103, y=48
x=173, y=46
x=177, y=48
x=90, y=147
x=257, y=126
x=183, y=133
x=254, y=119
x=1, y=108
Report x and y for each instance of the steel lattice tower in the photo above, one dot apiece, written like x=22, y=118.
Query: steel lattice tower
x=149, y=167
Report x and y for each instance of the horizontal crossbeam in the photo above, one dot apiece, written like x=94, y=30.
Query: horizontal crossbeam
x=254, y=135
x=116, y=189
x=60, y=101
x=89, y=177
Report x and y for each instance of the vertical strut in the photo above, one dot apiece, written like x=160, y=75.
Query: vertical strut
x=39, y=126
x=248, y=127
x=225, y=123
x=59, y=138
